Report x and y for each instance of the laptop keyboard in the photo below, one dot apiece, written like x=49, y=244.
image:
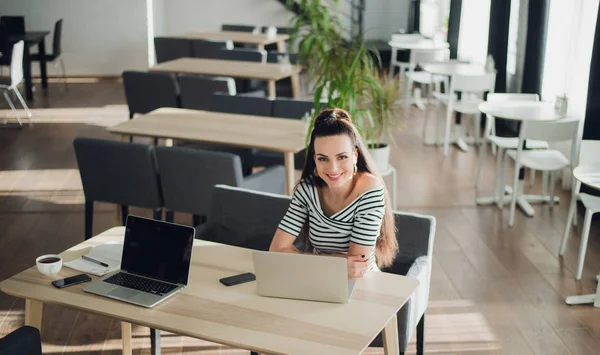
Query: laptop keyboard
x=140, y=283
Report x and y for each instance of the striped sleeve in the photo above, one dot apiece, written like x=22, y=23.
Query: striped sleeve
x=368, y=218
x=296, y=215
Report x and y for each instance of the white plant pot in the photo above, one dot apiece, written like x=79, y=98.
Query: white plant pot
x=381, y=156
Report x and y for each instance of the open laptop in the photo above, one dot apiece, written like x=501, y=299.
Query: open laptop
x=155, y=263
x=302, y=276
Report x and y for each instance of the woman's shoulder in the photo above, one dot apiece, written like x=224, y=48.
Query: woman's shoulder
x=367, y=182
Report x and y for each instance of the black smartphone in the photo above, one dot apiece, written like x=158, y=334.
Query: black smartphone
x=70, y=281
x=238, y=279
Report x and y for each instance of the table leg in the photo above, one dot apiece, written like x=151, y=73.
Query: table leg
x=281, y=46
x=390, y=337
x=272, y=92
x=43, y=71
x=583, y=299
x=296, y=86
x=126, y=337
x=33, y=313
x=27, y=73
x=289, y=172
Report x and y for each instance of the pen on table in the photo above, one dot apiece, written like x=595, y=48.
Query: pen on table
x=94, y=261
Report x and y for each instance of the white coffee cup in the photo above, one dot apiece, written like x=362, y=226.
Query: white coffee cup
x=49, y=264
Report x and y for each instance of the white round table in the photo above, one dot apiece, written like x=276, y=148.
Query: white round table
x=588, y=175
x=422, y=45
x=453, y=67
x=521, y=111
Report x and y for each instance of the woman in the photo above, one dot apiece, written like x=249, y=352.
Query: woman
x=340, y=206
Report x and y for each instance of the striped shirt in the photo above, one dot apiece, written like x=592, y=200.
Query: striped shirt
x=359, y=222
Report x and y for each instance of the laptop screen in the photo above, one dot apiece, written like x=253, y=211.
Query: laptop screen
x=157, y=249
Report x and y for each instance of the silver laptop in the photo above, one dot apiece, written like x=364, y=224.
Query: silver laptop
x=155, y=263
x=302, y=276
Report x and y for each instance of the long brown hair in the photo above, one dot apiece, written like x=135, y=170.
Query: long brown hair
x=334, y=122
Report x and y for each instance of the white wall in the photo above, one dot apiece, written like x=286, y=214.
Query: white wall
x=100, y=37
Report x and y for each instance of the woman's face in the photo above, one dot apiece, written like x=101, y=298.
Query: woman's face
x=335, y=157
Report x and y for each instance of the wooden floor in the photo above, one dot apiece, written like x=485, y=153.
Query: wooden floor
x=494, y=289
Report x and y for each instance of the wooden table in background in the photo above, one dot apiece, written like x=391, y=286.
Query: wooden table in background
x=259, y=39
x=235, y=316
x=269, y=133
x=237, y=69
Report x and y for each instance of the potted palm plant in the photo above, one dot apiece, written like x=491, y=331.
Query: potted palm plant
x=343, y=74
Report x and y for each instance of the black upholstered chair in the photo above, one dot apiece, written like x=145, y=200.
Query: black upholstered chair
x=242, y=217
x=197, y=91
x=209, y=49
x=145, y=91
x=238, y=28
x=415, y=236
x=284, y=108
x=117, y=172
x=245, y=105
x=55, y=56
x=170, y=48
x=187, y=176
x=23, y=341
x=246, y=55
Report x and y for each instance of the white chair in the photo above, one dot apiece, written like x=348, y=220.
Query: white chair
x=472, y=88
x=16, y=78
x=400, y=38
x=588, y=155
x=431, y=81
x=550, y=160
x=503, y=143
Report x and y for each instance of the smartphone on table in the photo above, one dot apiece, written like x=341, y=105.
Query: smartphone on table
x=238, y=279
x=70, y=281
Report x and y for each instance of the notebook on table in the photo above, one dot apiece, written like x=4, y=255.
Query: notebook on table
x=108, y=253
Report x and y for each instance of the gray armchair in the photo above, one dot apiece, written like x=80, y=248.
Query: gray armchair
x=145, y=91
x=187, y=176
x=243, y=217
x=24, y=340
x=415, y=240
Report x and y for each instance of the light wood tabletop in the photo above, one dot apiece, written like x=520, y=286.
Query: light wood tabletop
x=269, y=133
x=234, y=316
x=260, y=39
x=271, y=72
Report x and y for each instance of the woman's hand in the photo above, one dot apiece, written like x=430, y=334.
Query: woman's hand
x=357, y=266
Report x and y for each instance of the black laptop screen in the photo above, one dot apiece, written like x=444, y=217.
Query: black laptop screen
x=158, y=250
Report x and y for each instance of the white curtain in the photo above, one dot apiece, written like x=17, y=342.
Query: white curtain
x=474, y=29
x=569, y=43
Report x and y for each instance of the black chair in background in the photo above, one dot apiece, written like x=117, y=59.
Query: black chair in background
x=117, y=172
x=23, y=341
x=246, y=55
x=147, y=91
x=237, y=28
x=169, y=48
x=245, y=105
x=14, y=25
x=196, y=92
x=188, y=175
x=284, y=108
x=209, y=49
x=283, y=87
x=243, y=218
x=280, y=31
x=55, y=57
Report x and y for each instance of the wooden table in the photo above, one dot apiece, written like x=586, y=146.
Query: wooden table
x=235, y=316
x=237, y=69
x=259, y=39
x=269, y=133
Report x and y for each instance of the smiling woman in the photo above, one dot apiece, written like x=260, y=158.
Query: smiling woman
x=340, y=206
